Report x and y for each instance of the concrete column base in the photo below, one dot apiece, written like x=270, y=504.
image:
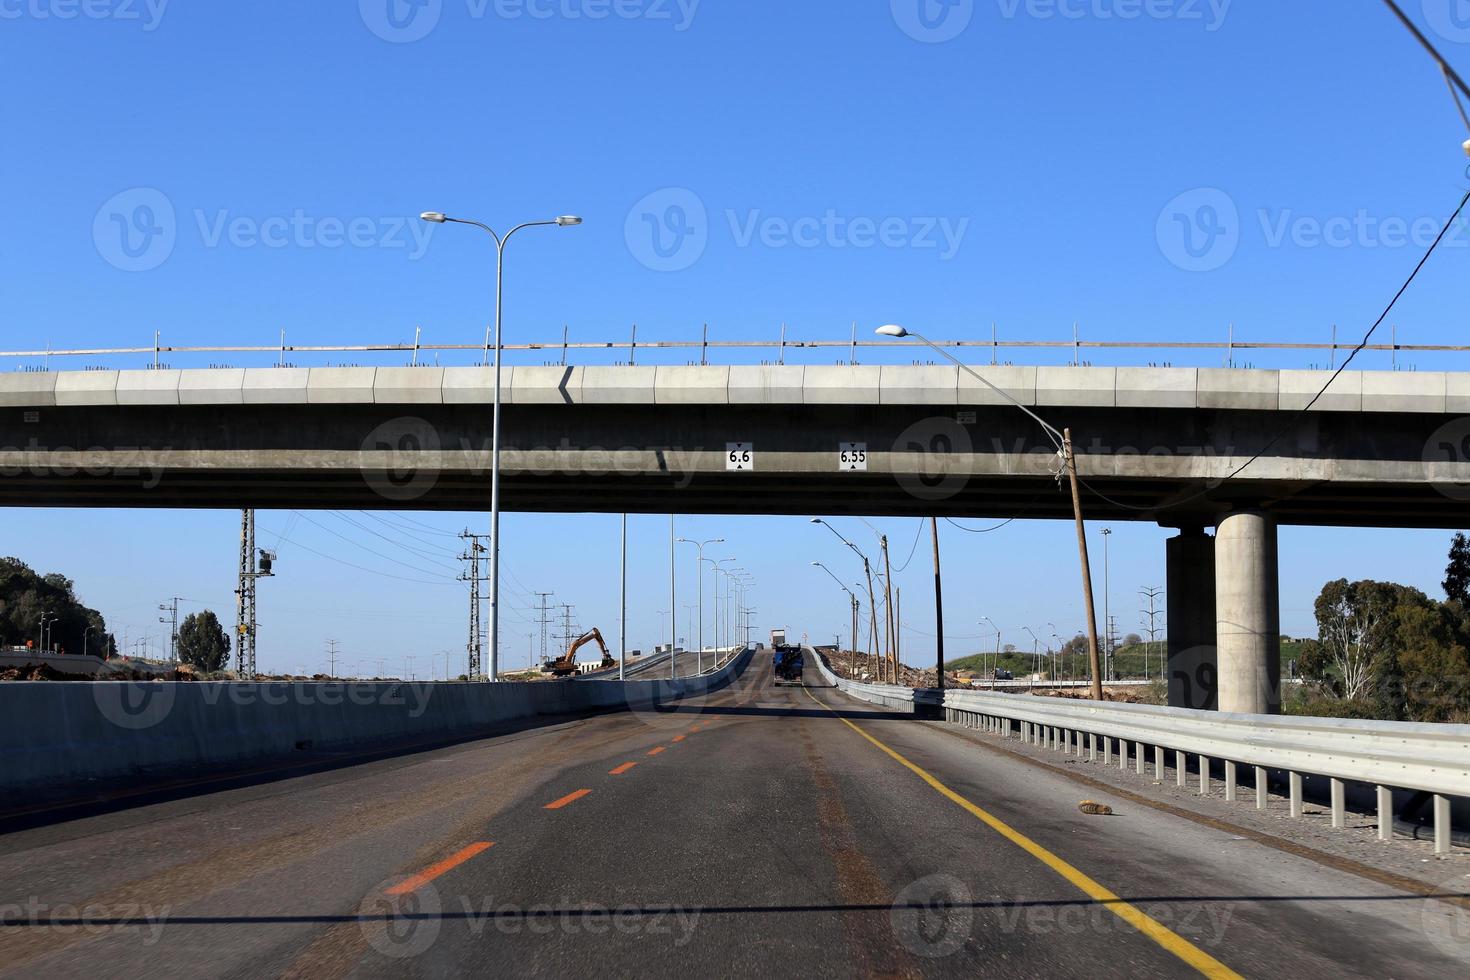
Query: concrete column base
x=1247, y=614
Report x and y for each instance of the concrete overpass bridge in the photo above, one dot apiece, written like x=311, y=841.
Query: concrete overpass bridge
x=1154, y=444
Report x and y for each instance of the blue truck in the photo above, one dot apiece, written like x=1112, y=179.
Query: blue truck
x=788, y=662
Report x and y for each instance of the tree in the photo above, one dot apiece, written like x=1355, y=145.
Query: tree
x=1356, y=630
x=1457, y=573
x=203, y=642
x=1132, y=640
x=26, y=598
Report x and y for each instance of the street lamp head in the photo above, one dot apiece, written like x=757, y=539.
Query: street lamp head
x=891, y=330
x=816, y=520
x=437, y=217
x=568, y=221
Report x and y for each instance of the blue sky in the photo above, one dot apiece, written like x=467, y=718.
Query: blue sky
x=1148, y=171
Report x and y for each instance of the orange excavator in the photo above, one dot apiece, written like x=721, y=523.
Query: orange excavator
x=567, y=664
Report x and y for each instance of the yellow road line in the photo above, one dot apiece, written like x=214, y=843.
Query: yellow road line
x=1165, y=937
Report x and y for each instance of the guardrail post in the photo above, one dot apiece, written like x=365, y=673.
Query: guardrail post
x=1295, y=789
x=1091, y=747
x=1204, y=775
x=1441, y=824
x=1138, y=757
x=1229, y=781
x=1339, y=810
x=1158, y=763
x=1107, y=751
x=1385, y=812
x=1181, y=768
x=1260, y=788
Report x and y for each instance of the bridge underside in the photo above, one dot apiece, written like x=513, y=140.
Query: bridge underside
x=987, y=462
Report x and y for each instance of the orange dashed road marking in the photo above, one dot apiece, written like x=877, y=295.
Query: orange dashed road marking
x=568, y=799
x=657, y=750
x=622, y=769
x=421, y=879
x=678, y=738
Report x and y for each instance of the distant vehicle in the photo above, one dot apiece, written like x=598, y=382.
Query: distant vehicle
x=778, y=638
x=788, y=662
x=1001, y=674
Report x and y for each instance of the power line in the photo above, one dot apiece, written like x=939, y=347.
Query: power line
x=983, y=530
x=1451, y=76
x=1290, y=425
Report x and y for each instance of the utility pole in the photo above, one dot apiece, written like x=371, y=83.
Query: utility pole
x=172, y=608
x=1151, y=594
x=332, y=658
x=1070, y=459
x=245, y=631
x=566, y=627
x=543, y=618
x=938, y=606
x=474, y=554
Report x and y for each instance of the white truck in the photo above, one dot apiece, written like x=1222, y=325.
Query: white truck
x=778, y=638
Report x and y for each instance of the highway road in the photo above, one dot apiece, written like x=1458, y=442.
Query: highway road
x=760, y=831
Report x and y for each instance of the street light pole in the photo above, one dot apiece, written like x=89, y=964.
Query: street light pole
x=1063, y=442
x=699, y=574
x=851, y=595
x=565, y=221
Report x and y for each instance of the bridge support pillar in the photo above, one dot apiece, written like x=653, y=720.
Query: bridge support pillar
x=1248, y=614
x=1190, y=602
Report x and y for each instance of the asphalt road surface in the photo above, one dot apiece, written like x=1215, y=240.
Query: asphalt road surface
x=763, y=831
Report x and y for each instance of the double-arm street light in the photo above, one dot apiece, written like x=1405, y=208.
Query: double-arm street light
x=565, y=221
x=1063, y=441
x=699, y=574
x=872, y=603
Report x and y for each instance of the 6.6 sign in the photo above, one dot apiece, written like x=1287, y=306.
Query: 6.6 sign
x=739, y=456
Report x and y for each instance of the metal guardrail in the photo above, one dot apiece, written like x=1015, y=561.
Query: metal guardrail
x=1428, y=758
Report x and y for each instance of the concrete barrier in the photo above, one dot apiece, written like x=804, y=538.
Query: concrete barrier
x=58, y=733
